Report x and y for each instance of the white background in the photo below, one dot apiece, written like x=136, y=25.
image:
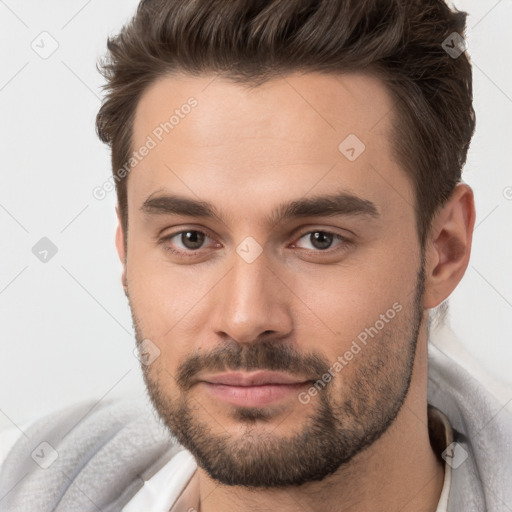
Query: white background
x=66, y=332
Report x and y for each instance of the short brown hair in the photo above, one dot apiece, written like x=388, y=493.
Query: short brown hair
x=251, y=41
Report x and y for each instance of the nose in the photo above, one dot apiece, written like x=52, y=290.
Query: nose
x=252, y=301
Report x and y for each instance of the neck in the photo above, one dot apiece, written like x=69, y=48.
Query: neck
x=398, y=472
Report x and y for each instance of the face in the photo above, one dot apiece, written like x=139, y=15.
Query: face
x=288, y=247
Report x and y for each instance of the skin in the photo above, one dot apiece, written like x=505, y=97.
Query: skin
x=247, y=151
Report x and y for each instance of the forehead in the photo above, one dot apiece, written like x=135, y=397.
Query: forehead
x=209, y=135
x=310, y=106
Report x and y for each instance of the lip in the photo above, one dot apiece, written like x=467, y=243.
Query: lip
x=255, y=389
x=258, y=378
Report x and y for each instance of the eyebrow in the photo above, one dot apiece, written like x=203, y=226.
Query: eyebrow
x=340, y=204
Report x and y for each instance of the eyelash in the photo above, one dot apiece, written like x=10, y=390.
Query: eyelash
x=346, y=243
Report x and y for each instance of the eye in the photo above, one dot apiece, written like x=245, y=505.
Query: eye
x=321, y=240
x=191, y=241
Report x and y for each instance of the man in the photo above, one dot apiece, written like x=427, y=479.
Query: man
x=290, y=210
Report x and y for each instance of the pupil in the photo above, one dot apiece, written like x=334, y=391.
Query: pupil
x=321, y=238
x=193, y=239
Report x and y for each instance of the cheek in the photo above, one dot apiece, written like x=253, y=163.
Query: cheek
x=167, y=301
x=336, y=303
x=161, y=291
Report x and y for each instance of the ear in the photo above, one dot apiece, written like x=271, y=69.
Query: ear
x=448, y=247
x=120, y=246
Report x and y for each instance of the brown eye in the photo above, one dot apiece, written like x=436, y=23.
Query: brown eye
x=322, y=240
x=192, y=239
x=184, y=243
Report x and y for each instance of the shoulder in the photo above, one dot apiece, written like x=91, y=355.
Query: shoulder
x=479, y=409
x=457, y=377
x=86, y=456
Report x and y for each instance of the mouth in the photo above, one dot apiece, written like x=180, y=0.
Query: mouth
x=255, y=389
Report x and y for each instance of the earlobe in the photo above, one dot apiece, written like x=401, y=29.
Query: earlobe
x=448, y=248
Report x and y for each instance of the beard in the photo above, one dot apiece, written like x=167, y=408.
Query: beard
x=338, y=426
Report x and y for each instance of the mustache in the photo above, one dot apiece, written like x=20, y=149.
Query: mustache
x=264, y=355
